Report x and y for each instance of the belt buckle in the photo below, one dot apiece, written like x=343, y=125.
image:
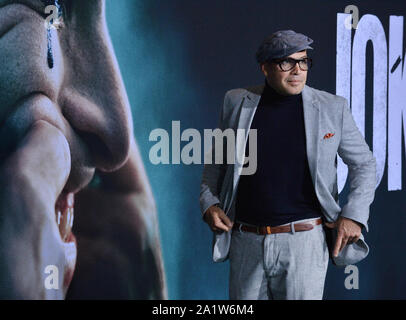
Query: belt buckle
x=268, y=230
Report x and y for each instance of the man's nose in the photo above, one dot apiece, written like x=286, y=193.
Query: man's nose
x=296, y=69
x=94, y=100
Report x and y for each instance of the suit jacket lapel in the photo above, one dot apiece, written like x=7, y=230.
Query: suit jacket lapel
x=247, y=112
x=312, y=126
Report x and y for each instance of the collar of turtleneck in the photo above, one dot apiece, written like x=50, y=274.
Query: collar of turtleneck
x=270, y=95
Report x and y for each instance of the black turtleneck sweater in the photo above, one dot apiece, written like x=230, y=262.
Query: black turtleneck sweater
x=281, y=190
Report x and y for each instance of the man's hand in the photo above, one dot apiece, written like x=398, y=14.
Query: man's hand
x=32, y=177
x=217, y=219
x=348, y=231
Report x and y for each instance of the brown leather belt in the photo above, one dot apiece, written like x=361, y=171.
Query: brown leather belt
x=300, y=226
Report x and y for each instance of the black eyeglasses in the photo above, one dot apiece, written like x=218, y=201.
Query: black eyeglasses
x=289, y=63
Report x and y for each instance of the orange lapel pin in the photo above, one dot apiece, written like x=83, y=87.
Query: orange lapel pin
x=328, y=135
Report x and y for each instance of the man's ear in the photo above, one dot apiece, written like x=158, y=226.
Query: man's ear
x=263, y=68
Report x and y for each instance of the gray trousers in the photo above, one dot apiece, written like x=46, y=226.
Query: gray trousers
x=278, y=266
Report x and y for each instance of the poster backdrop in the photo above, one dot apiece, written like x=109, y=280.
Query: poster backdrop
x=179, y=57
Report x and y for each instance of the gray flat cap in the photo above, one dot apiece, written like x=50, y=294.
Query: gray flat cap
x=281, y=44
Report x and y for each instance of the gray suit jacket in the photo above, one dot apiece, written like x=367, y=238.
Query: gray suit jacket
x=323, y=113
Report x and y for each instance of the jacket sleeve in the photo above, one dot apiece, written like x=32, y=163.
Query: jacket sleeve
x=361, y=163
x=213, y=174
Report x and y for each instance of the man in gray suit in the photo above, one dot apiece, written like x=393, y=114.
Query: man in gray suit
x=273, y=225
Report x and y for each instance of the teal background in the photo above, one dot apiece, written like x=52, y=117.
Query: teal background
x=178, y=58
x=153, y=57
